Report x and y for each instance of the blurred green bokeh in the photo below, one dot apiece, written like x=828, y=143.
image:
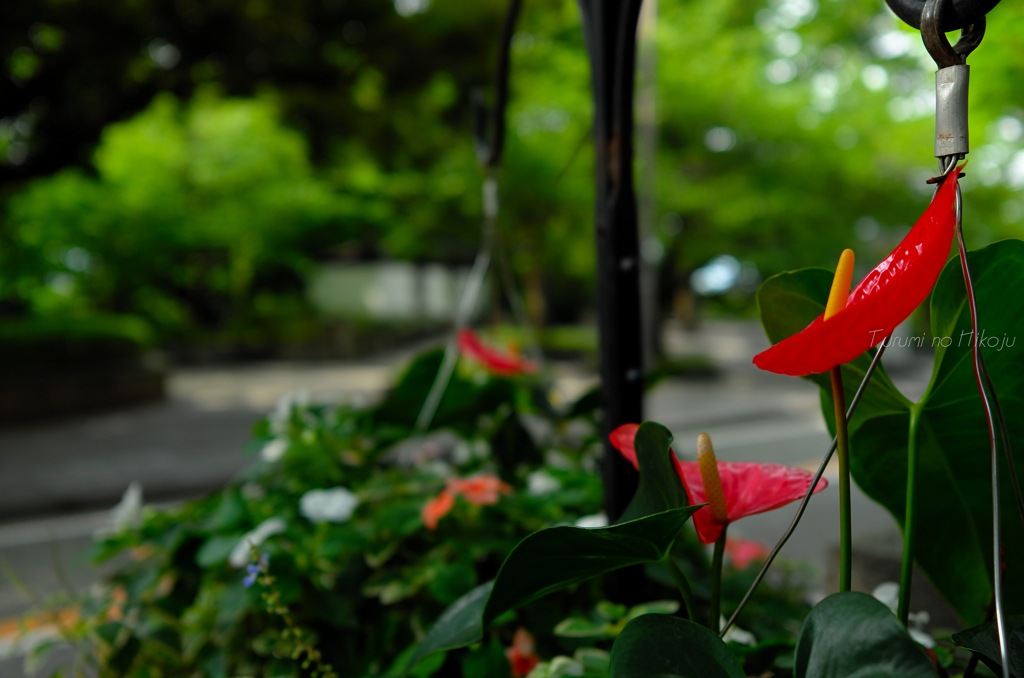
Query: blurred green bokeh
x=191, y=166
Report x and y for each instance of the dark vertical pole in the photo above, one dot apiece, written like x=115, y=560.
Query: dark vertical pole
x=610, y=30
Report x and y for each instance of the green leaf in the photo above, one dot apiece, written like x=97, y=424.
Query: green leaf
x=660, y=488
x=458, y=626
x=549, y=560
x=581, y=627
x=588, y=403
x=653, y=607
x=983, y=640
x=851, y=635
x=121, y=661
x=658, y=645
x=512, y=446
x=452, y=581
x=558, y=557
x=110, y=632
x=216, y=549
x=486, y=661
x=954, y=524
x=462, y=403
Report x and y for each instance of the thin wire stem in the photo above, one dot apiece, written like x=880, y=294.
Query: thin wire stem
x=907, y=564
x=976, y=352
x=1004, y=431
x=845, y=510
x=685, y=592
x=715, y=614
x=810, y=490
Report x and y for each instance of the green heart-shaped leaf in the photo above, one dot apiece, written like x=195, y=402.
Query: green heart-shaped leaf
x=954, y=525
x=458, y=626
x=657, y=645
x=852, y=635
x=983, y=640
x=547, y=561
x=660, y=488
x=558, y=557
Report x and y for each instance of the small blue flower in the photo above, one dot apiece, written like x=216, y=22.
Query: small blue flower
x=253, y=570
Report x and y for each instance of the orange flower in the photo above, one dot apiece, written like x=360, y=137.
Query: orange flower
x=480, y=490
x=521, y=655
x=437, y=508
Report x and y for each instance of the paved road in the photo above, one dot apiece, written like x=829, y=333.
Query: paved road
x=55, y=479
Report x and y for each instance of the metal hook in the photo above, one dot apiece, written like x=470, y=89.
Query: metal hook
x=944, y=54
x=963, y=14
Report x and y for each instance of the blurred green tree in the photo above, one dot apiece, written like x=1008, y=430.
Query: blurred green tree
x=202, y=217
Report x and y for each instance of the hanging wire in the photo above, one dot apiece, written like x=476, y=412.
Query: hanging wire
x=489, y=139
x=810, y=490
x=1004, y=431
x=979, y=371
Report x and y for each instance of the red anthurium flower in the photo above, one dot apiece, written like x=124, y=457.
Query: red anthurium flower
x=749, y=487
x=882, y=300
x=521, y=656
x=502, y=364
x=743, y=552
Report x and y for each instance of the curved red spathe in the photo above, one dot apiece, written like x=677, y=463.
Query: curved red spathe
x=502, y=364
x=882, y=300
x=749, y=487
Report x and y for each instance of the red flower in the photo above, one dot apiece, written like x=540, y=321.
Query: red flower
x=749, y=487
x=502, y=364
x=743, y=552
x=521, y=655
x=480, y=490
x=882, y=300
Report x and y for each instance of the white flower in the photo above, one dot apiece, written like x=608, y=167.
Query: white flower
x=282, y=412
x=127, y=513
x=921, y=637
x=333, y=506
x=888, y=593
x=596, y=520
x=737, y=635
x=540, y=483
x=241, y=553
x=274, y=450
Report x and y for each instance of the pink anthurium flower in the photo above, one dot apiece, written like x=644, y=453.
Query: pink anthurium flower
x=882, y=300
x=749, y=487
x=502, y=364
x=743, y=552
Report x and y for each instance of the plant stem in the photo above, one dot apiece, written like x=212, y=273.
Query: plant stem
x=714, y=616
x=843, y=448
x=907, y=566
x=684, y=587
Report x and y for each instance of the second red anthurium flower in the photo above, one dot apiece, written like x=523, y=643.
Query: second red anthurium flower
x=499, y=363
x=748, y=487
x=883, y=299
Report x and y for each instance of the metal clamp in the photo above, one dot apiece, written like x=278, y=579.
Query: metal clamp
x=951, y=80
